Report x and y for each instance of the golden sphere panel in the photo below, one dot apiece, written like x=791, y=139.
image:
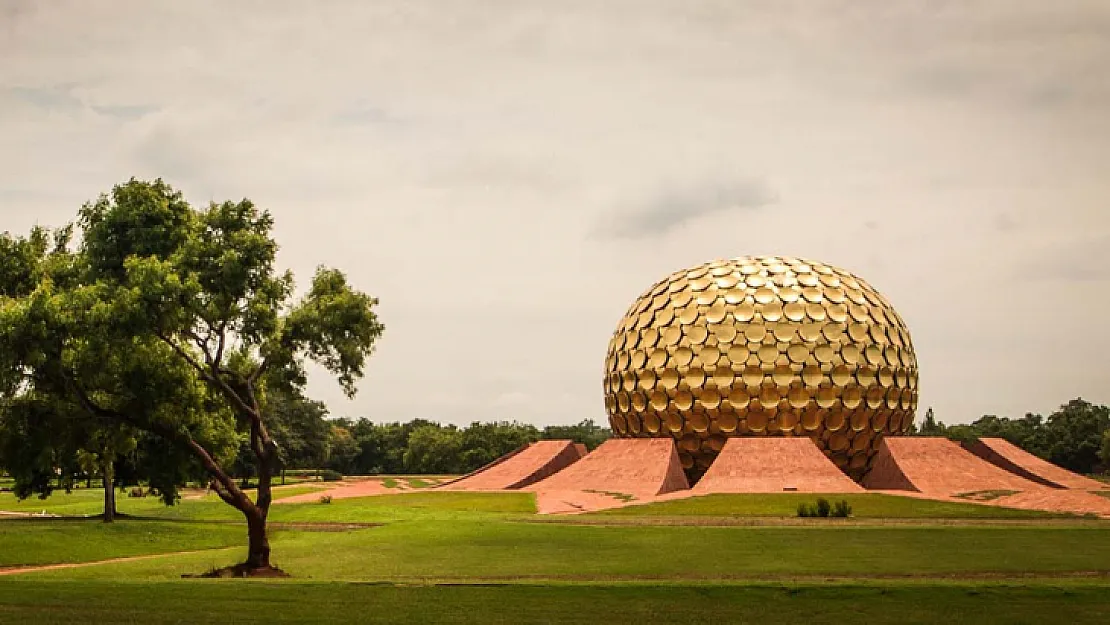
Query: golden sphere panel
x=762, y=346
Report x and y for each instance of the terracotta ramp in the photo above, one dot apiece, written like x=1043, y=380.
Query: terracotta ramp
x=937, y=466
x=520, y=468
x=618, y=471
x=1004, y=454
x=773, y=464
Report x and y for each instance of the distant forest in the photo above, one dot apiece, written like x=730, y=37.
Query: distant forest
x=1076, y=436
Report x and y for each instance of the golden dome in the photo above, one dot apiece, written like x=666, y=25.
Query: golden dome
x=762, y=346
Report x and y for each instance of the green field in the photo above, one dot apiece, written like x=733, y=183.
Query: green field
x=864, y=506
x=487, y=557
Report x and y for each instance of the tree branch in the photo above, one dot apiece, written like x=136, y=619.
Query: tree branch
x=235, y=497
x=213, y=377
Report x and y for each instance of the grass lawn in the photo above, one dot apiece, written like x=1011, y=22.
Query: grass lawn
x=491, y=550
x=50, y=541
x=864, y=506
x=485, y=557
x=236, y=602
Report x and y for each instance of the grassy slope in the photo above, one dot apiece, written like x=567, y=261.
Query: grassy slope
x=30, y=542
x=487, y=550
x=469, y=538
x=375, y=509
x=867, y=505
x=232, y=602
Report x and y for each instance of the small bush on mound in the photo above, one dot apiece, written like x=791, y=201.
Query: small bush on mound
x=325, y=499
x=329, y=475
x=842, y=509
x=823, y=509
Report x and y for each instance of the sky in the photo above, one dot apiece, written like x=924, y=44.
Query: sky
x=507, y=177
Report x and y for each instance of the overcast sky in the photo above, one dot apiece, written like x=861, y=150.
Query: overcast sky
x=508, y=176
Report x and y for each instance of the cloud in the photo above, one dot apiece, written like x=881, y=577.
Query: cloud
x=124, y=112
x=1005, y=222
x=1077, y=260
x=57, y=98
x=672, y=208
x=360, y=113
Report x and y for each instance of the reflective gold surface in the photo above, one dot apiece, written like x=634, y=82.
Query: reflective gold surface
x=762, y=346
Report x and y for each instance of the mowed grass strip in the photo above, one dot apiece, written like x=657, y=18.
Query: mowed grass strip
x=29, y=542
x=253, y=602
x=381, y=508
x=864, y=506
x=492, y=550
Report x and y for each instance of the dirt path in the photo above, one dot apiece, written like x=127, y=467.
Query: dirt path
x=76, y=565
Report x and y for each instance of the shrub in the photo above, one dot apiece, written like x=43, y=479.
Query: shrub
x=823, y=507
x=806, y=510
x=329, y=475
x=325, y=499
x=842, y=509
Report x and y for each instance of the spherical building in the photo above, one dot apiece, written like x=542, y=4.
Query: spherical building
x=762, y=346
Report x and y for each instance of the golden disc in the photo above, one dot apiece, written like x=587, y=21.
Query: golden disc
x=738, y=398
x=658, y=399
x=694, y=377
x=682, y=356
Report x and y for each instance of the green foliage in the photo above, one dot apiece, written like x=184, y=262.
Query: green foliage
x=329, y=475
x=823, y=507
x=173, y=321
x=1104, y=450
x=420, y=446
x=586, y=432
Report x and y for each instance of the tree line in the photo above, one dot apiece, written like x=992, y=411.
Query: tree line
x=1076, y=436
x=308, y=439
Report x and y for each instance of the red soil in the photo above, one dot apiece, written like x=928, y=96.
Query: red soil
x=344, y=490
x=613, y=474
x=522, y=468
x=773, y=465
x=1004, y=454
x=937, y=466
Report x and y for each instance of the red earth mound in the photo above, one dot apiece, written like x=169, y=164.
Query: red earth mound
x=772, y=465
x=1004, y=454
x=937, y=466
x=521, y=468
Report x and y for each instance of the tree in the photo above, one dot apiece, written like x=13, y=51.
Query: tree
x=586, y=432
x=198, y=326
x=40, y=428
x=341, y=449
x=1074, y=435
x=930, y=426
x=1104, y=451
x=433, y=449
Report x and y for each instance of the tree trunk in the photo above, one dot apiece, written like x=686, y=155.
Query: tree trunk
x=258, y=552
x=109, y=491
